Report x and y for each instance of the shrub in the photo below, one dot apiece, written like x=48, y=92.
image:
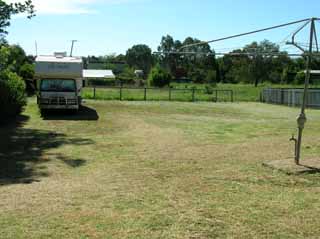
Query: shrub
x=208, y=89
x=300, y=78
x=211, y=77
x=198, y=76
x=159, y=77
x=12, y=94
x=27, y=74
x=99, y=82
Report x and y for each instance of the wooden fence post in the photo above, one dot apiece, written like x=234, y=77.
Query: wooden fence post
x=193, y=94
x=94, y=92
x=232, y=96
x=169, y=93
x=120, y=91
x=145, y=94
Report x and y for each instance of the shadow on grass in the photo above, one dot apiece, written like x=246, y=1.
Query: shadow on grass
x=22, y=158
x=309, y=169
x=85, y=113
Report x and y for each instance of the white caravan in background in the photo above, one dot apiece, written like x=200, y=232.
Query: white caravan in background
x=59, y=81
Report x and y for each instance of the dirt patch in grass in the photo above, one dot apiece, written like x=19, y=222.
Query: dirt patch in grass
x=306, y=166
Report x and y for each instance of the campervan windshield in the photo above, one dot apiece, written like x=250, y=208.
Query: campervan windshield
x=58, y=85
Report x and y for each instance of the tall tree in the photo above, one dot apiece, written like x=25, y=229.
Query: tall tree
x=194, y=66
x=167, y=60
x=140, y=56
x=261, y=60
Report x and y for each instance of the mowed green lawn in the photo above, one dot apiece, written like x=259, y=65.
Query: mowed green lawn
x=157, y=170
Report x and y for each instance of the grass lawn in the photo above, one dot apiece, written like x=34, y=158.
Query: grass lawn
x=157, y=170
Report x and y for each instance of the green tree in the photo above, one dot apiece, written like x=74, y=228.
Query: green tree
x=169, y=61
x=159, y=77
x=300, y=78
x=12, y=94
x=140, y=56
x=12, y=58
x=9, y=9
x=211, y=77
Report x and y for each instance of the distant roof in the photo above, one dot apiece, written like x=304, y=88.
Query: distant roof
x=58, y=59
x=316, y=72
x=98, y=74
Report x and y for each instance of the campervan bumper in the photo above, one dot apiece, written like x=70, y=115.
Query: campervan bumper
x=62, y=107
x=58, y=103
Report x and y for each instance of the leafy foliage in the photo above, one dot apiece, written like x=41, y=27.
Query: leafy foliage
x=13, y=61
x=9, y=9
x=251, y=64
x=12, y=94
x=211, y=77
x=159, y=77
x=140, y=57
x=208, y=89
x=300, y=78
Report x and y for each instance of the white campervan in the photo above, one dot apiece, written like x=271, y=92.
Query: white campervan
x=59, y=81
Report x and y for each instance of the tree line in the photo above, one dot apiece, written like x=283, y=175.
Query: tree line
x=254, y=63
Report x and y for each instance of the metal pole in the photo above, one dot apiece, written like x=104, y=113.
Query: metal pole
x=72, y=44
x=302, y=119
x=36, y=45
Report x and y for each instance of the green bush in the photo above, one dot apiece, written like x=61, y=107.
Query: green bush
x=159, y=77
x=27, y=74
x=12, y=94
x=208, y=89
x=99, y=82
x=198, y=76
x=211, y=77
x=300, y=78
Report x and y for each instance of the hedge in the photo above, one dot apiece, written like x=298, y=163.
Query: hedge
x=12, y=94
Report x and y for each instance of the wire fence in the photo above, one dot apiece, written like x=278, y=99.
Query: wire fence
x=156, y=94
x=291, y=97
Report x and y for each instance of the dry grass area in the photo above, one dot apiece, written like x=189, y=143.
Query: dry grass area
x=157, y=170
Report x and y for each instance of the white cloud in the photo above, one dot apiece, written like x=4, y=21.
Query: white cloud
x=67, y=6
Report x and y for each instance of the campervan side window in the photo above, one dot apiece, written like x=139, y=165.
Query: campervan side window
x=58, y=85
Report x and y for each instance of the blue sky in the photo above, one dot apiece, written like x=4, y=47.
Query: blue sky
x=112, y=26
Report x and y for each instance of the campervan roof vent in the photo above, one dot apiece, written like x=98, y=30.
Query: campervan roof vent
x=60, y=54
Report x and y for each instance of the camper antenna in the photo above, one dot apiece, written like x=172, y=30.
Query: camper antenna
x=72, y=44
x=36, y=47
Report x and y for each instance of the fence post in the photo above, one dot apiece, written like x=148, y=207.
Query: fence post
x=216, y=95
x=193, y=94
x=94, y=92
x=231, y=95
x=120, y=90
x=169, y=93
x=145, y=94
